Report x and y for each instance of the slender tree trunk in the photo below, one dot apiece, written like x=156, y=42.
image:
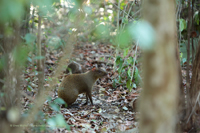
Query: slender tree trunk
x=40, y=62
x=192, y=31
x=158, y=103
x=188, y=59
x=194, y=117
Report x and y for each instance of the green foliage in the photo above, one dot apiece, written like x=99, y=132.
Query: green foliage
x=38, y=57
x=124, y=69
x=87, y=10
x=137, y=76
x=55, y=107
x=29, y=88
x=20, y=55
x=196, y=17
x=11, y=10
x=45, y=6
x=54, y=104
x=124, y=39
x=29, y=38
x=125, y=20
x=59, y=101
x=102, y=31
x=182, y=24
x=57, y=122
x=183, y=52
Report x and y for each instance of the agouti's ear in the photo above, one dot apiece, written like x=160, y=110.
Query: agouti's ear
x=93, y=69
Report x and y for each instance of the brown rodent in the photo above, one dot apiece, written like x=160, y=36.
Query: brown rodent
x=75, y=68
x=75, y=84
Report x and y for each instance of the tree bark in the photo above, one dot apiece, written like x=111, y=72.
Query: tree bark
x=158, y=103
x=40, y=61
x=10, y=101
x=194, y=93
x=188, y=59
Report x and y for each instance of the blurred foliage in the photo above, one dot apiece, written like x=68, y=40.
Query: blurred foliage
x=126, y=78
x=183, y=31
x=8, y=13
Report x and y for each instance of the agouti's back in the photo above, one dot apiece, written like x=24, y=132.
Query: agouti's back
x=75, y=84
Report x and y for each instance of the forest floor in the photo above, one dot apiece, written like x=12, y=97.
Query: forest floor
x=114, y=107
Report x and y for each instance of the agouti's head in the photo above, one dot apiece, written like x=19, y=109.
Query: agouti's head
x=98, y=73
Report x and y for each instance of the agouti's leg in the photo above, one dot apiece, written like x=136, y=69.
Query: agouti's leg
x=86, y=99
x=90, y=97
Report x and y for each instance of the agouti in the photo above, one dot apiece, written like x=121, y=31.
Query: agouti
x=75, y=84
x=75, y=68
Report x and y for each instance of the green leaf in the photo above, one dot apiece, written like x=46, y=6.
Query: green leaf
x=30, y=38
x=128, y=84
x=49, y=98
x=134, y=85
x=129, y=72
x=118, y=60
x=182, y=24
x=130, y=60
x=29, y=59
x=29, y=88
x=59, y=101
x=38, y=57
x=120, y=67
x=124, y=39
x=137, y=76
x=51, y=122
x=54, y=107
x=114, y=83
x=58, y=121
x=125, y=20
x=126, y=50
x=196, y=17
x=120, y=79
x=102, y=31
x=87, y=9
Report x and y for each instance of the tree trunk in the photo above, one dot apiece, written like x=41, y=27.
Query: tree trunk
x=158, y=103
x=40, y=61
x=188, y=60
x=10, y=101
x=194, y=93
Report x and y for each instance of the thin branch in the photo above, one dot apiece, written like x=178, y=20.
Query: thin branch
x=134, y=59
x=128, y=13
x=117, y=52
x=123, y=11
